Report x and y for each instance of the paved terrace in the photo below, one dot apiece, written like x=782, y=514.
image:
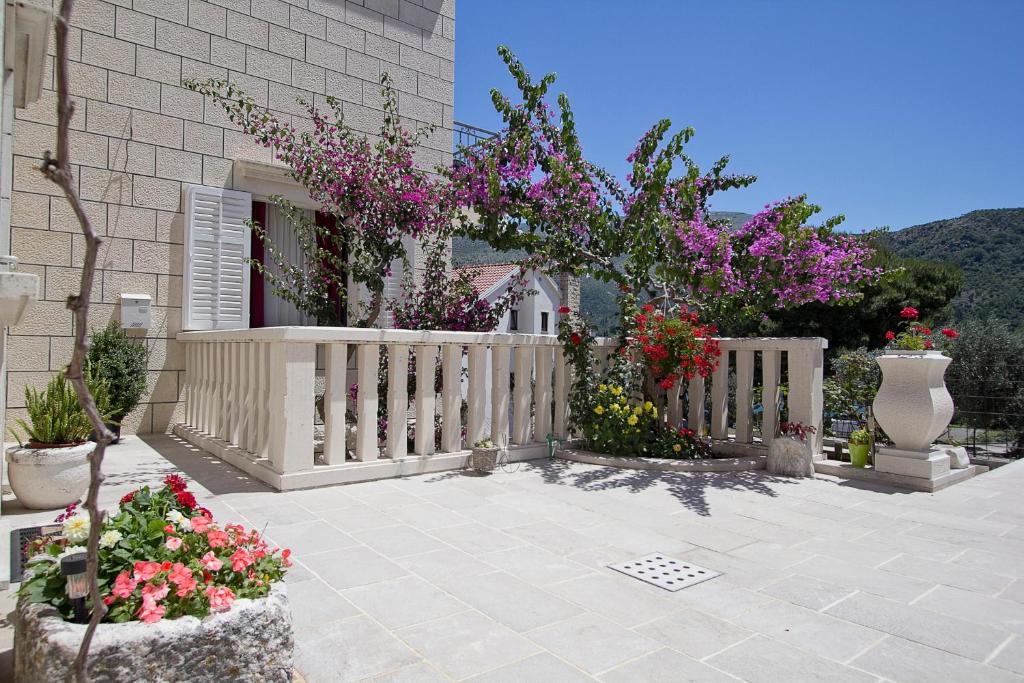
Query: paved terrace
x=502, y=578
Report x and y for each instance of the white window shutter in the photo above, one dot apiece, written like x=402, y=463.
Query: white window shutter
x=216, y=278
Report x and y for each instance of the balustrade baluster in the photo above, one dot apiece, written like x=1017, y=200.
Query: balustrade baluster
x=397, y=445
x=542, y=394
x=426, y=399
x=451, y=398
x=521, y=399
x=335, y=394
x=367, y=359
x=771, y=368
x=744, y=387
x=720, y=398
x=499, y=394
x=477, y=394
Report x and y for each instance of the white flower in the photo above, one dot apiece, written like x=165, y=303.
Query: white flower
x=183, y=522
x=71, y=550
x=76, y=529
x=110, y=538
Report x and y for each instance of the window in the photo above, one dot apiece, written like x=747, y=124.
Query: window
x=513, y=320
x=216, y=277
x=543, y=322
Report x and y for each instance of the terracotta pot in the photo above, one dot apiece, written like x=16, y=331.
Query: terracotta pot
x=913, y=405
x=49, y=478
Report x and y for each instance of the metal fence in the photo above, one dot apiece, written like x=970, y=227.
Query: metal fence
x=465, y=135
x=989, y=398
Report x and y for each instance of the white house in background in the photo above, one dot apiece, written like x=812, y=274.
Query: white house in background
x=537, y=313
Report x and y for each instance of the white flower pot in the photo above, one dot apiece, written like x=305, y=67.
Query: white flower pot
x=913, y=405
x=49, y=478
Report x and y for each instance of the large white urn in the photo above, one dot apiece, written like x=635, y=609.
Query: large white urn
x=913, y=405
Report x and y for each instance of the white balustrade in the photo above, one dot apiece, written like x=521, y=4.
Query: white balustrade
x=250, y=397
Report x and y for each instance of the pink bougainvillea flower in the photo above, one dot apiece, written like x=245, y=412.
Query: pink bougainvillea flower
x=220, y=597
x=173, y=543
x=201, y=523
x=217, y=538
x=144, y=571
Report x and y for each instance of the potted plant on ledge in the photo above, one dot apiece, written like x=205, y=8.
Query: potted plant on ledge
x=860, y=444
x=186, y=598
x=484, y=457
x=49, y=469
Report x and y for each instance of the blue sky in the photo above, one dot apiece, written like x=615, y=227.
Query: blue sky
x=892, y=113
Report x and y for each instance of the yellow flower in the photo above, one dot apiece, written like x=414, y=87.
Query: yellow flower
x=637, y=410
x=599, y=410
x=602, y=388
x=616, y=390
x=677, y=448
x=632, y=420
x=616, y=407
x=648, y=405
x=622, y=400
x=654, y=411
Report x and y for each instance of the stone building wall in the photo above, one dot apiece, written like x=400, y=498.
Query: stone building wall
x=140, y=137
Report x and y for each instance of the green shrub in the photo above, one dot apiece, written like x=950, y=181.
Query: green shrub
x=55, y=417
x=121, y=361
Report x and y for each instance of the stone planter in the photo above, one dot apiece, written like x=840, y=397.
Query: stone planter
x=49, y=478
x=790, y=457
x=252, y=641
x=484, y=460
x=913, y=405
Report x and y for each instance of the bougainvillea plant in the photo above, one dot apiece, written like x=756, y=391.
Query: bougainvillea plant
x=531, y=188
x=162, y=556
x=916, y=336
x=373, y=193
x=448, y=300
x=673, y=347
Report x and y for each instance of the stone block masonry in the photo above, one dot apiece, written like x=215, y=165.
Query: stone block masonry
x=139, y=138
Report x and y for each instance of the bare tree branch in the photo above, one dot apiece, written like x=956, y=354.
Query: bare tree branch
x=58, y=169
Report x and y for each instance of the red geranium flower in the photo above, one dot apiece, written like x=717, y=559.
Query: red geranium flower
x=950, y=332
x=648, y=308
x=908, y=312
x=175, y=482
x=927, y=344
x=186, y=499
x=575, y=339
x=127, y=498
x=890, y=335
x=564, y=310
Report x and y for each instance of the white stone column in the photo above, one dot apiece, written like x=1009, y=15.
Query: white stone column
x=367, y=359
x=292, y=368
x=744, y=387
x=477, y=394
x=397, y=444
x=451, y=398
x=542, y=394
x=426, y=399
x=335, y=395
x=806, y=398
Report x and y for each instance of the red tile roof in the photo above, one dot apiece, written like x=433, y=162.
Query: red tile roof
x=487, y=275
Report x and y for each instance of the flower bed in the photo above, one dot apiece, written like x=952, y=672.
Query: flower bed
x=164, y=562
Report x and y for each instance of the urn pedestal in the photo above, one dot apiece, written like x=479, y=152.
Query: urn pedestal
x=914, y=408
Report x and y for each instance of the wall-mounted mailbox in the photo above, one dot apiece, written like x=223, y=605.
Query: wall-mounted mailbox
x=135, y=311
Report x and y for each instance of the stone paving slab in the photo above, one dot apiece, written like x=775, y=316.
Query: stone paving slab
x=453, y=576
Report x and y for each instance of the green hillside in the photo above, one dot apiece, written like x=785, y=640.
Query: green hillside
x=988, y=245
x=597, y=299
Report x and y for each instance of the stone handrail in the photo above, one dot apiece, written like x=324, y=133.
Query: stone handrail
x=249, y=396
